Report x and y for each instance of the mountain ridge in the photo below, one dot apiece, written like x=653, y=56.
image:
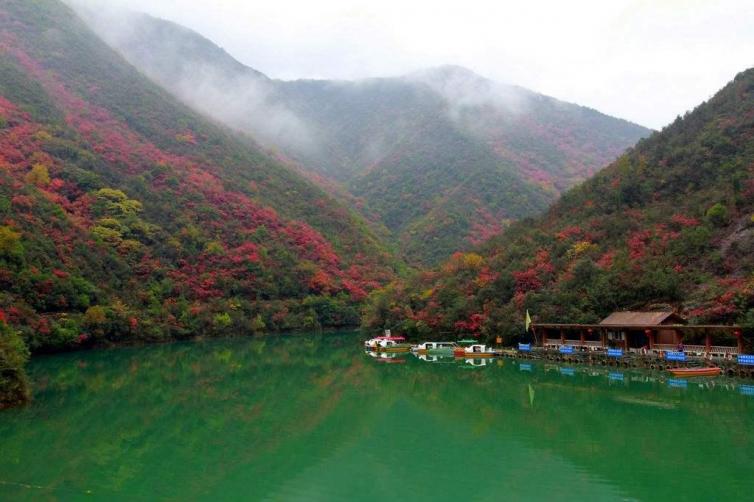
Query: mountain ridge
x=669, y=224
x=126, y=216
x=385, y=140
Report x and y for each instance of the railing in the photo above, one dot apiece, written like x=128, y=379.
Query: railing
x=723, y=350
x=695, y=350
x=586, y=345
x=577, y=345
x=657, y=350
x=665, y=346
x=698, y=350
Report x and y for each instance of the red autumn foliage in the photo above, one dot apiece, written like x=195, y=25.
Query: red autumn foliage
x=533, y=278
x=637, y=244
x=568, y=232
x=606, y=260
x=471, y=325
x=684, y=221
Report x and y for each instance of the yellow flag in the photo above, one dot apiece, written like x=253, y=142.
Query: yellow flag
x=528, y=320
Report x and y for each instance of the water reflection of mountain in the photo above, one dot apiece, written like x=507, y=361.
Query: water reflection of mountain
x=290, y=416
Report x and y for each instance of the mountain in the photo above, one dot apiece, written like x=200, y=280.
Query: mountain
x=444, y=158
x=125, y=215
x=668, y=224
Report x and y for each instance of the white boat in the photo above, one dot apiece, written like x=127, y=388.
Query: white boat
x=387, y=344
x=434, y=348
x=476, y=351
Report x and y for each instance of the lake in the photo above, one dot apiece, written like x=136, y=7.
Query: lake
x=312, y=417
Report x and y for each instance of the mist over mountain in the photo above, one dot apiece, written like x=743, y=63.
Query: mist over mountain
x=669, y=224
x=444, y=158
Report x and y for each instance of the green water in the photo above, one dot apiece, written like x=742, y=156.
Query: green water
x=314, y=418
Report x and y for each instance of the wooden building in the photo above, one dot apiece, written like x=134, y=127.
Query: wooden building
x=640, y=329
x=646, y=332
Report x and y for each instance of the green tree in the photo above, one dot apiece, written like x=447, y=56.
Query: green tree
x=115, y=203
x=95, y=316
x=39, y=176
x=257, y=324
x=718, y=214
x=14, y=354
x=222, y=320
x=10, y=242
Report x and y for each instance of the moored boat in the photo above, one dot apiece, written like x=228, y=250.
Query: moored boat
x=692, y=372
x=475, y=351
x=434, y=348
x=392, y=344
x=380, y=342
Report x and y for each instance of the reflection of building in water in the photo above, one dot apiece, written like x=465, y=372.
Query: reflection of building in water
x=585, y=375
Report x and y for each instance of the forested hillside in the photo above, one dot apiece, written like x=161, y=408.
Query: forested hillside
x=670, y=223
x=126, y=216
x=443, y=158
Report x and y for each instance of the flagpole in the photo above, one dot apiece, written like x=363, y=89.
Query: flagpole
x=528, y=324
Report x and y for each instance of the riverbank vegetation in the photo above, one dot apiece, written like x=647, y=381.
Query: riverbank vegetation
x=14, y=387
x=124, y=216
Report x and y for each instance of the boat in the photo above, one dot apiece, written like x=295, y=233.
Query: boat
x=434, y=348
x=692, y=372
x=382, y=341
x=475, y=351
x=391, y=344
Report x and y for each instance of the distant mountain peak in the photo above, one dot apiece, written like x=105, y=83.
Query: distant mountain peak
x=441, y=155
x=168, y=41
x=447, y=71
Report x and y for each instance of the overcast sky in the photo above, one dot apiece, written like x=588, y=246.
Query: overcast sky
x=643, y=60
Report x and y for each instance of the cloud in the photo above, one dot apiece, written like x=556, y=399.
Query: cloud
x=644, y=60
x=464, y=90
x=232, y=94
